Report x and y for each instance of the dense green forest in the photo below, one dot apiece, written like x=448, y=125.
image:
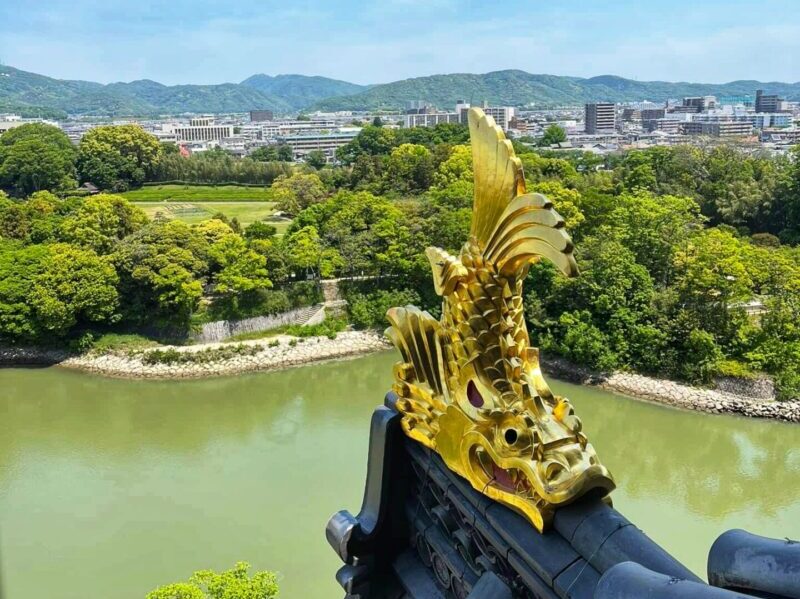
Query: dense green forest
x=689, y=257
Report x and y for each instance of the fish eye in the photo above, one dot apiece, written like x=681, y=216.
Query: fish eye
x=511, y=436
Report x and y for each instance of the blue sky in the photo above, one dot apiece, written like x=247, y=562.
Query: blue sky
x=205, y=41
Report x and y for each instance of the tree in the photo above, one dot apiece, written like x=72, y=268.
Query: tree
x=34, y=157
x=371, y=141
x=260, y=230
x=713, y=277
x=231, y=584
x=305, y=249
x=457, y=167
x=409, y=169
x=47, y=290
x=316, y=159
x=74, y=285
x=116, y=157
x=101, y=221
x=553, y=135
x=239, y=269
x=297, y=192
x=161, y=267
x=285, y=152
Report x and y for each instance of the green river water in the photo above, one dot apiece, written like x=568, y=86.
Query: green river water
x=109, y=488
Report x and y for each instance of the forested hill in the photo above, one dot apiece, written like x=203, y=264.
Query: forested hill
x=518, y=88
x=301, y=91
x=32, y=94
x=38, y=95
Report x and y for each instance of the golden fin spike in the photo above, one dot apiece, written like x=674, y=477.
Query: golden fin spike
x=416, y=334
x=447, y=270
x=498, y=174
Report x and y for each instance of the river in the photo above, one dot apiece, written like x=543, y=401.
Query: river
x=109, y=488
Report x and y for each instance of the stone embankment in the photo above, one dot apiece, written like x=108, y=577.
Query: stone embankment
x=284, y=352
x=670, y=393
x=273, y=353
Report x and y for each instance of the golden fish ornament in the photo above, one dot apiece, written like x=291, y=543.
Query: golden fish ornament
x=469, y=385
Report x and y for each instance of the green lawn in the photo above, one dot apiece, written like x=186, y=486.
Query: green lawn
x=195, y=212
x=198, y=193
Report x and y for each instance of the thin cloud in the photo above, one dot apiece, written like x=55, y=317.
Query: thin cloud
x=201, y=41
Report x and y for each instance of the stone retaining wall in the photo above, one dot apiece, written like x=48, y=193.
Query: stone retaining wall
x=214, y=332
x=758, y=388
x=674, y=394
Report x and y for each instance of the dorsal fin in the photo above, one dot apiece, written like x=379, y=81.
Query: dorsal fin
x=512, y=227
x=498, y=173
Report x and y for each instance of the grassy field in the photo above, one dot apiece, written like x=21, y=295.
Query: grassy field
x=198, y=193
x=195, y=212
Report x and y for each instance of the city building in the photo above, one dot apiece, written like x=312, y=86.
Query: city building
x=600, y=117
x=502, y=115
x=425, y=119
x=257, y=116
x=327, y=143
x=767, y=103
x=720, y=128
x=419, y=114
x=630, y=115
x=663, y=124
x=700, y=103
x=200, y=128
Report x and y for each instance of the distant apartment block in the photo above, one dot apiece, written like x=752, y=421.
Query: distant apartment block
x=430, y=119
x=502, y=115
x=718, y=128
x=600, y=117
x=672, y=126
x=327, y=143
x=700, y=103
x=421, y=115
x=768, y=103
x=629, y=115
x=649, y=114
x=257, y=116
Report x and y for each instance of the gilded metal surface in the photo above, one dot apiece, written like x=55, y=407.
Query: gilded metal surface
x=469, y=385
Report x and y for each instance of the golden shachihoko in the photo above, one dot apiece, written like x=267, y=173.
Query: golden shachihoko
x=469, y=385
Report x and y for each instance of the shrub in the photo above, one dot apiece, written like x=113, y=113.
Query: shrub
x=216, y=354
x=327, y=328
x=703, y=357
x=207, y=584
x=584, y=343
x=369, y=310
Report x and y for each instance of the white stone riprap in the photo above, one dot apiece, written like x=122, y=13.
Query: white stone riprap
x=355, y=343
x=289, y=352
x=675, y=394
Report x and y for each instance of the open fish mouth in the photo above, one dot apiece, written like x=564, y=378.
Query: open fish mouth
x=517, y=482
x=509, y=480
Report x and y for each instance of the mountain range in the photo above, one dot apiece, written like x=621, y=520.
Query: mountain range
x=37, y=95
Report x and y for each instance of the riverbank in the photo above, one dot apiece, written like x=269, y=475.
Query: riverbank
x=283, y=351
x=207, y=359
x=674, y=394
